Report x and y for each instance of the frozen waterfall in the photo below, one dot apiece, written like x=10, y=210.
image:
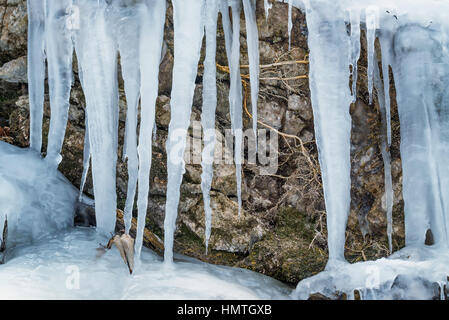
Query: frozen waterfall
x=414, y=42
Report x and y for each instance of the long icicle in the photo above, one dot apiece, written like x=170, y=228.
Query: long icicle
x=235, y=97
x=36, y=69
x=97, y=55
x=150, y=57
x=371, y=26
x=253, y=55
x=208, y=111
x=379, y=85
x=290, y=24
x=59, y=57
x=355, y=48
x=386, y=44
x=129, y=54
x=86, y=157
x=189, y=30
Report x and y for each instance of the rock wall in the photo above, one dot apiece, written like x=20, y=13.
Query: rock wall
x=282, y=230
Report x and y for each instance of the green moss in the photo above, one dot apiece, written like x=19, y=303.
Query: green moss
x=290, y=221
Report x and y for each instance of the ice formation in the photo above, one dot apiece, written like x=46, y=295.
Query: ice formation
x=36, y=200
x=413, y=43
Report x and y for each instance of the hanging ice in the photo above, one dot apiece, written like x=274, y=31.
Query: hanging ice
x=150, y=46
x=329, y=73
x=371, y=26
x=188, y=25
x=128, y=35
x=36, y=69
x=290, y=23
x=235, y=91
x=388, y=182
x=355, y=47
x=59, y=50
x=208, y=111
x=253, y=55
x=97, y=54
x=267, y=7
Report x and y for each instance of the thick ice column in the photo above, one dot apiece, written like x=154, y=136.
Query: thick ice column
x=208, y=110
x=97, y=54
x=151, y=39
x=59, y=46
x=189, y=28
x=420, y=91
x=128, y=38
x=329, y=73
x=253, y=55
x=36, y=69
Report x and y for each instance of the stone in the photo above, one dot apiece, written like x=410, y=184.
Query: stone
x=15, y=71
x=302, y=105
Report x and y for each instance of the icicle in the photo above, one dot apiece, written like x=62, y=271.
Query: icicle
x=128, y=44
x=152, y=34
x=208, y=111
x=372, y=24
x=355, y=47
x=253, y=55
x=97, y=55
x=235, y=98
x=329, y=73
x=59, y=55
x=290, y=24
x=189, y=29
x=154, y=131
x=86, y=158
x=267, y=7
x=423, y=132
x=389, y=194
x=36, y=69
x=386, y=45
x=227, y=28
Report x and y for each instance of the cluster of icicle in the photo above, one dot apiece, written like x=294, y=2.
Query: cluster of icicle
x=413, y=38
x=414, y=44
x=100, y=30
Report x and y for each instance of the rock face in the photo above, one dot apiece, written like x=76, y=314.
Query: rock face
x=282, y=229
